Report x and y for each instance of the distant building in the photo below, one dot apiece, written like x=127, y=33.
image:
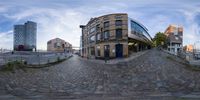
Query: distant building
x=197, y=50
x=80, y=49
x=25, y=36
x=58, y=45
x=174, y=38
x=188, y=48
x=113, y=36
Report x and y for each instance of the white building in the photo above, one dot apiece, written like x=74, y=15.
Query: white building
x=174, y=38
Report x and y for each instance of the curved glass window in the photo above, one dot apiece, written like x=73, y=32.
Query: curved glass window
x=138, y=30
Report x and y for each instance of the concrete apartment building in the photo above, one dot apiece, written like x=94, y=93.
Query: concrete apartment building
x=58, y=45
x=25, y=36
x=174, y=35
x=113, y=36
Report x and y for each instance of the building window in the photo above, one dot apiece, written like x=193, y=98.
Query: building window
x=55, y=45
x=92, y=29
x=98, y=27
x=92, y=51
x=58, y=44
x=98, y=51
x=118, y=17
x=118, y=23
x=118, y=33
x=176, y=31
x=106, y=24
x=106, y=35
x=176, y=38
x=98, y=37
x=92, y=38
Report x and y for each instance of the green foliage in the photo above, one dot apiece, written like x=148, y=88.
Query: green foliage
x=11, y=66
x=160, y=39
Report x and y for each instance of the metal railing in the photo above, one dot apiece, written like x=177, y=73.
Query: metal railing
x=33, y=58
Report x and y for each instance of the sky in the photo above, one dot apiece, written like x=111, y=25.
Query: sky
x=61, y=18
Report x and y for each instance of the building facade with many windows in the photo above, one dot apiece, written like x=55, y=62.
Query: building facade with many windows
x=25, y=36
x=113, y=36
x=174, y=35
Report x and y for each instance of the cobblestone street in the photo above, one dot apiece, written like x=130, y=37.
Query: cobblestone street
x=152, y=76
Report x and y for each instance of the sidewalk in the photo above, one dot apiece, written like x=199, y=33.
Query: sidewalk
x=117, y=60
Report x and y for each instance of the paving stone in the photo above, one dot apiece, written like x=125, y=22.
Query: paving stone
x=151, y=72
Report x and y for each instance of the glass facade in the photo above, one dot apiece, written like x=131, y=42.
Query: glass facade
x=30, y=40
x=19, y=37
x=25, y=35
x=138, y=30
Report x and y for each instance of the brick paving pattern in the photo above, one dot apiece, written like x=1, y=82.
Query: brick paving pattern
x=151, y=76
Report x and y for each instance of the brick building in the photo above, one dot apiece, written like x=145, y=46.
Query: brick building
x=113, y=36
x=59, y=45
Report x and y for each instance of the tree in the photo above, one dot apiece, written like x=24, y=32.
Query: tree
x=160, y=39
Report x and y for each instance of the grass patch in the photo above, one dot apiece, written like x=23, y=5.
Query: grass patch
x=13, y=65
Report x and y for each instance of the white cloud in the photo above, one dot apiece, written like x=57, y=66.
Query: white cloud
x=59, y=19
x=3, y=8
x=62, y=24
x=6, y=40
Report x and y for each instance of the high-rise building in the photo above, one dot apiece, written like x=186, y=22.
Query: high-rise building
x=25, y=36
x=113, y=36
x=174, y=35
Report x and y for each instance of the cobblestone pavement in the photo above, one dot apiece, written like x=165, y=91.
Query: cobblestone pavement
x=152, y=76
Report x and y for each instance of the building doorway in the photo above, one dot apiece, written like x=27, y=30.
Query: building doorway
x=119, y=50
x=20, y=48
x=106, y=51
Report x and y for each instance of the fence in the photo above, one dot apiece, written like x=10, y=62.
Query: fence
x=35, y=58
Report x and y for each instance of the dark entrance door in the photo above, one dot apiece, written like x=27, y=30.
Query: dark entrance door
x=119, y=50
x=107, y=51
x=20, y=47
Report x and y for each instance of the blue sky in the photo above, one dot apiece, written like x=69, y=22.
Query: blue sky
x=61, y=18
